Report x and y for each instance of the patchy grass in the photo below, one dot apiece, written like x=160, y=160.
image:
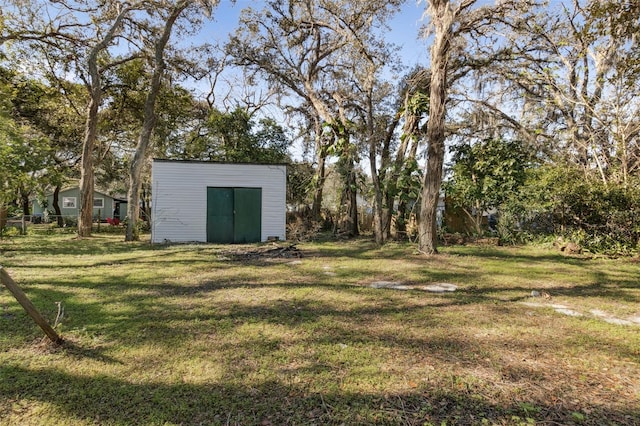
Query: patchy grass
x=185, y=334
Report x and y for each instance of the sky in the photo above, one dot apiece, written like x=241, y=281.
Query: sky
x=405, y=27
x=404, y=32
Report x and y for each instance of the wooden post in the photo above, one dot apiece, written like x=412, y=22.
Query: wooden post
x=28, y=306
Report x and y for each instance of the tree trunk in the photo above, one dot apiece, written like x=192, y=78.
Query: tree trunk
x=56, y=206
x=400, y=229
x=85, y=216
x=148, y=124
x=321, y=157
x=427, y=226
x=24, y=201
x=381, y=207
x=352, y=203
x=3, y=216
x=316, y=207
x=442, y=19
x=378, y=214
x=133, y=201
x=348, y=214
x=406, y=152
x=386, y=181
x=145, y=202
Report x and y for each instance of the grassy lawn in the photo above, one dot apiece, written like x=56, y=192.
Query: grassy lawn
x=189, y=334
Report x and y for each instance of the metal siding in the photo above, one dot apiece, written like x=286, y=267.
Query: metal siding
x=179, y=196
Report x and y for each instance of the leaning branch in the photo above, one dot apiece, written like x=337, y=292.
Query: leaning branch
x=28, y=306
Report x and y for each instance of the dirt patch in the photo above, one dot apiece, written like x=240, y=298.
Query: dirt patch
x=593, y=313
x=390, y=285
x=432, y=288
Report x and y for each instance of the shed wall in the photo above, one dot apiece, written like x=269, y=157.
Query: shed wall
x=179, y=197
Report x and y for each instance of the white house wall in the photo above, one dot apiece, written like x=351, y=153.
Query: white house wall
x=179, y=197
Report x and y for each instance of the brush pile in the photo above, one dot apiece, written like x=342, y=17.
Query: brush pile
x=273, y=251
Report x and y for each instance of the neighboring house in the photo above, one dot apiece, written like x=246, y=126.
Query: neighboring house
x=195, y=201
x=104, y=206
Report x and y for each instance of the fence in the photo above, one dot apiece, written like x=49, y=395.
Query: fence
x=24, y=222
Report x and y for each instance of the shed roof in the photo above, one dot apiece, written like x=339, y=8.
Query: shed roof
x=69, y=188
x=162, y=160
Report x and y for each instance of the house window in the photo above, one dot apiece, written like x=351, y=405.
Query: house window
x=68, y=202
x=98, y=203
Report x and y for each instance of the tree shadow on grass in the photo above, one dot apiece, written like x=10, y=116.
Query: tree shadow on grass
x=109, y=401
x=157, y=319
x=150, y=320
x=80, y=352
x=313, y=322
x=602, y=286
x=79, y=255
x=515, y=254
x=523, y=294
x=158, y=312
x=132, y=312
x=72, y=246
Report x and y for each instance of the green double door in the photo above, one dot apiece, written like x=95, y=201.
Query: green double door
x=234, y=215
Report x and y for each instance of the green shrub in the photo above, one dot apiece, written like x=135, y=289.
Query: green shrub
x=10, y=231
x=602, y=218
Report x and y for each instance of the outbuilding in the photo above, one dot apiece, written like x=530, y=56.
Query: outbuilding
x=197, y=201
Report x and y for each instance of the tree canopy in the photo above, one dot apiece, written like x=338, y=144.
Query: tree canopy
x=93, y=89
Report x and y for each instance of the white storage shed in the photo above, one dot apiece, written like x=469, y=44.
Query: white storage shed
x=196, y=201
